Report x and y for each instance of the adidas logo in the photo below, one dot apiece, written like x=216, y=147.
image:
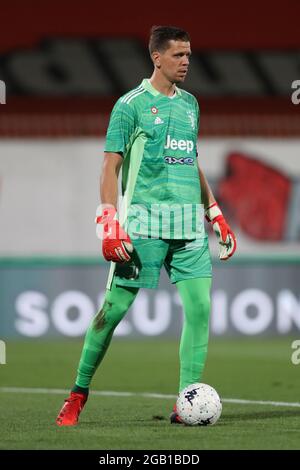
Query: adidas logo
x=158, y=121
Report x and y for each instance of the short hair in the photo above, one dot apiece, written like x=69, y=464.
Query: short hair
x=161, y=35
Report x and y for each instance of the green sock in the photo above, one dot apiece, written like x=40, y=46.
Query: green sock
x=83, y=390
x=195, y=296
x=116, y=303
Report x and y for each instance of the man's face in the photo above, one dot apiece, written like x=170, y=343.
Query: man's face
x=174, y=61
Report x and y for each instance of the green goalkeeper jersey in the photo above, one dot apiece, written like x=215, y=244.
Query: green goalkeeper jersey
x=157, y=136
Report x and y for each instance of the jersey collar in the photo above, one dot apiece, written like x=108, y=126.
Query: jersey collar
x=147, y=85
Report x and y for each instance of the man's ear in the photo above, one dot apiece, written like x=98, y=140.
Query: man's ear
x=156, y=59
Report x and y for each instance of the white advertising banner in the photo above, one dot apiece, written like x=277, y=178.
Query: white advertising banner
x=49, y=191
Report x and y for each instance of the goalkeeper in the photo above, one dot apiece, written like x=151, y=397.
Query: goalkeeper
x=152, y=136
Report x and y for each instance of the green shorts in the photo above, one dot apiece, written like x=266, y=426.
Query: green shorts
x=183, y=259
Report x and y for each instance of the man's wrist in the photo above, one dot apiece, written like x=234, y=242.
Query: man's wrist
x=106, y=205
x=212, y=211
x=105, y=211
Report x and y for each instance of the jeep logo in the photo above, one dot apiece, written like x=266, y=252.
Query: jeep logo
x=184, y=145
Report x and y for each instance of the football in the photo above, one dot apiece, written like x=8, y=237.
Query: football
x=199, y=405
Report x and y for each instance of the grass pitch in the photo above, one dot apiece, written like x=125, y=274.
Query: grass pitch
x=247, y=369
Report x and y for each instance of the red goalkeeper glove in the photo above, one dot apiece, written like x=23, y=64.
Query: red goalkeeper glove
x=226, y=237
x=116, y=243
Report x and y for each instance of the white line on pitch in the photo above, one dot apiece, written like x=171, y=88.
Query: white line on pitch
x=58, y=391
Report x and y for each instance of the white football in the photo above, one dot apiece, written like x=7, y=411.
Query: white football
x=199, y=404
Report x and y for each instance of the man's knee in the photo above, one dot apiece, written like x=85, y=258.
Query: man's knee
x=198, y=312
x=202, y=306
x=102, y=315
x=114, y=308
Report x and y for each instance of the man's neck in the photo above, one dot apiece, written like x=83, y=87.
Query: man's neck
x=163, y=85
